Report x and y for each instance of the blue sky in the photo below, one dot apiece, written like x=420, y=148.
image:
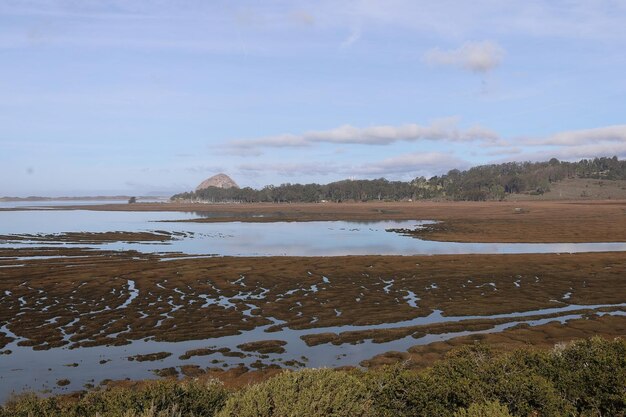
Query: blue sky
x=134, y=97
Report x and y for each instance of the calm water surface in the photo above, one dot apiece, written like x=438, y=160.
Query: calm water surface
x=330, y=238
x=36, y=370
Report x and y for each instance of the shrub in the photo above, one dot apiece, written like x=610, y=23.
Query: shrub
x=488, y=409
x=591, y=374
x=154, y=398
x=309, y=392
x=400, y=392
x=475, y=374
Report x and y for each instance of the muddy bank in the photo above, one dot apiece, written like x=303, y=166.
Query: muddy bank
x=97, y=237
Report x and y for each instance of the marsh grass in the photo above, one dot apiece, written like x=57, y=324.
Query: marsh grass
x=584, y=378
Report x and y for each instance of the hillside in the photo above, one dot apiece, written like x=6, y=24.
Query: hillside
x=578, y=189
x=511, y=180
x=217, y=181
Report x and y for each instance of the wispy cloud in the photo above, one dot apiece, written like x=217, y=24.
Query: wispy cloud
x=479, y=57
x=418, y=162
x=440, y=130
x=572, y=153
x=570, y=144
x=615, y=133
x=355, y=35
x=415, y=163
x=451, y=20
x=289, y=169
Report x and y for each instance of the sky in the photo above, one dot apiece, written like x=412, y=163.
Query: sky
x=152, y=96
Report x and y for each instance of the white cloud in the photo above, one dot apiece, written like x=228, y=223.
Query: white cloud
x=573, y=153
x=574, y=144
x=615, y=133
x=478, y=57
x=411, y=164
x=430, y=162
x=442, y=130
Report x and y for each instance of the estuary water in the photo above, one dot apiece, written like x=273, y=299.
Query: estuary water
x=27, y=369
x=327, y=238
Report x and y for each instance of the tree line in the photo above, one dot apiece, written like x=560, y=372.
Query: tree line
x=485, y=182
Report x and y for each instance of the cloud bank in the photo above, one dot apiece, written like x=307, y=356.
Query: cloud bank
x=578, y=144
x=565, y=145
x=440, y=130
x=615, y=133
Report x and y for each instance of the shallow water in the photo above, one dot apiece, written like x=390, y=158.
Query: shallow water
x=332, y=238
x=26, y=369
x=44, y=204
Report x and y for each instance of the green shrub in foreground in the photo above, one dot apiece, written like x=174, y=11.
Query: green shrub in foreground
x=489, y=409
x=586, y=378
x=400, y=392
x=591, y=374
x=474, y=374
x=186, y=399
x=470, y=375
x=310, y=392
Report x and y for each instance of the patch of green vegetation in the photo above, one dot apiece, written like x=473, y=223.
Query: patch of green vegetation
x=161, y=398
x=488, y=409
x=586, y=378
x=310, y=392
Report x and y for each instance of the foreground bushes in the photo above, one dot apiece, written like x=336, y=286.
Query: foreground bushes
x=586, y=378
x=158, y=399
x=310, y=392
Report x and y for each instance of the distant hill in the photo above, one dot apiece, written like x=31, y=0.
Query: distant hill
x=486, y=182
x=578, y=189
x=217, y=181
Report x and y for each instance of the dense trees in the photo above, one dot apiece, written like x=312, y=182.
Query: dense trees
x=485, y=182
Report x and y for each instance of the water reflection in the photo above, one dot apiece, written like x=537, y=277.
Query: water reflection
x=327, y=238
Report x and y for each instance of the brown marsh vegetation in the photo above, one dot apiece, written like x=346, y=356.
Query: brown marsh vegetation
x=72, y=297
